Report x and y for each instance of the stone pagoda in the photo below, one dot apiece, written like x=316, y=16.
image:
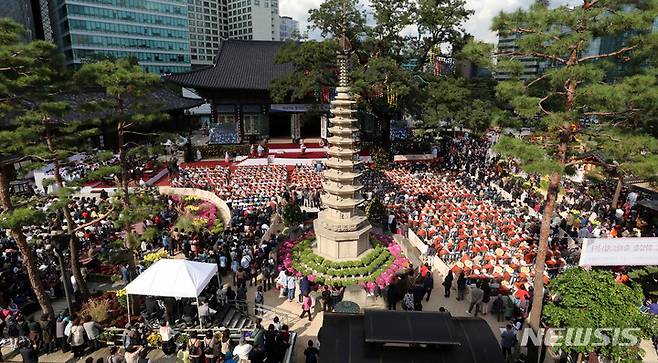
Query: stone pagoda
x=341, y=229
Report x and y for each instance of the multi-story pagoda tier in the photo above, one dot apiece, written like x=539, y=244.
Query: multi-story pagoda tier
x=341, y=229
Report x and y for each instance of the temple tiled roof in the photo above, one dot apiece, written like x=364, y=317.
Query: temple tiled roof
x=161, y=100
x=239, y=65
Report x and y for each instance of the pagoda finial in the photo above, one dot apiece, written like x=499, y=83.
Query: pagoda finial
x=344, y=48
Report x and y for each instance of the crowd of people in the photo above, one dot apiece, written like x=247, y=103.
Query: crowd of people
x=307, y=182
x=478, y=214
x=14, y=285
x=247, y=186
x=214, y=179
x=94, y=234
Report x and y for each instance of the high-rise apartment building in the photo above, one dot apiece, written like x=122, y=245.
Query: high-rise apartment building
x=289, y=28
x=531, y=66
x=154, y=32
x=253, y=19
x=208, y=23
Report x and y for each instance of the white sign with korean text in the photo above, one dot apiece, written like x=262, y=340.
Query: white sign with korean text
x=636, y=251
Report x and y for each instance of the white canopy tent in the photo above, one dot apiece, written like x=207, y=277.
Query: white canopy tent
x=173, y=278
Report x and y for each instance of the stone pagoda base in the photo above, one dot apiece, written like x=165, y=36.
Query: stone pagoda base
x=341, y=245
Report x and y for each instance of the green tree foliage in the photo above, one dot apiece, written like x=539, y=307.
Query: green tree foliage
x=127, y=87
x=27, y=71
x=458, y=102
x=381, y=158
x=379, y=50
x=593, y=299
x=627, y=152
x=617, y=87
x=143, y=205
x=51, y=136
x=647, y=278
x=316, y=59
x=292, y=215
x=376, y=212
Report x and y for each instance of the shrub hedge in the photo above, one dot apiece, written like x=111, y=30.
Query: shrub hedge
x=342, y=273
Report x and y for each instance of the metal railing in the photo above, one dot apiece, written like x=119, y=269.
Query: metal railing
x=266, y=312
x=235, y=334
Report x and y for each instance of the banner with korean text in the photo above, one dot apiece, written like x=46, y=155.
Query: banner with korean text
x=636, y=251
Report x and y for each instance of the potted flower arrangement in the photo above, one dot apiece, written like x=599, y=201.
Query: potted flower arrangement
x=153, y=257
x=154, y=339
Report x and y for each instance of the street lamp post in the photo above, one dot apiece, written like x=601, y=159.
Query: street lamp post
x=60, y=243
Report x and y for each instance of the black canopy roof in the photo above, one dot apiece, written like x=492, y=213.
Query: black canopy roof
x=362, y=338
x=239, y=65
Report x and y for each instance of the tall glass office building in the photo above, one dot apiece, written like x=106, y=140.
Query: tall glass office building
x=154, y=32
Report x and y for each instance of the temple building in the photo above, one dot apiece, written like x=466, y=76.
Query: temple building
x=237, y=86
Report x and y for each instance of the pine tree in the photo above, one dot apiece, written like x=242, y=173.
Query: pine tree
x=617, y=87
x=127, y=87
x=127, y=90
x=625, y=153
x=26, y=73
x=55, y=137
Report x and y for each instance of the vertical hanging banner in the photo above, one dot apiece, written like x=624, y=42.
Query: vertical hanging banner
x=295, y=126
x=324, y=123
x=298, y=125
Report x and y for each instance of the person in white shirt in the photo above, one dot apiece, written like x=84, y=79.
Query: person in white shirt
x=93, y=329
x=167, y=334
x=205, y=312
x=77, y=339
x=282, y=282
x=74, y=284
x=242, y=350
x=277, y=323
x=245, y=262
x=291, y=285
x=132, y=354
